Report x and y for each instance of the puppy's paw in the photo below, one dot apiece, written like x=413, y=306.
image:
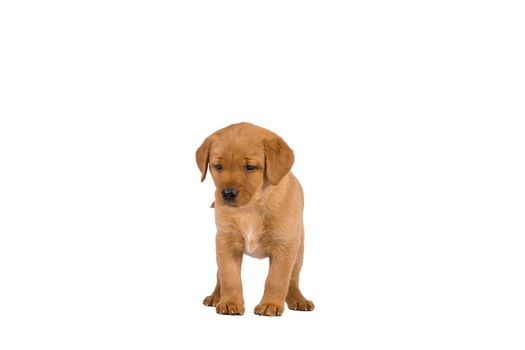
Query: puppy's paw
x=300, y=305
x=211, y=300
x=269, y=309
x=229, y=308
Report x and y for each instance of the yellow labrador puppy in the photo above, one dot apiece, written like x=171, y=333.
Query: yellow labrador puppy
x=258, y=212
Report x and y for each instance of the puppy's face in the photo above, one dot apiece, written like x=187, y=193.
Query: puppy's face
x=243, y=160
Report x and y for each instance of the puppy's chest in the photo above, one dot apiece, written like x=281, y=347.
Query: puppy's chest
x=252, y=230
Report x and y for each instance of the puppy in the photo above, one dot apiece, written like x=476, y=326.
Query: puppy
x=258, y=212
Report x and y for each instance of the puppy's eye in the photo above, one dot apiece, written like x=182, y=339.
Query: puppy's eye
x=250, y=167
x=218, y=167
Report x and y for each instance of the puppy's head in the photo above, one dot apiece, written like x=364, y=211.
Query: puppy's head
x=243, y=160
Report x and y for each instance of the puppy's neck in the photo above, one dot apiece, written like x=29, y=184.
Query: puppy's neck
x=273, y=195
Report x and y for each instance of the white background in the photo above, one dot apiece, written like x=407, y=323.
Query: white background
x=406, y=118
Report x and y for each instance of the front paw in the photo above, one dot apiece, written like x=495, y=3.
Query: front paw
x=269, y=309
x=229, y=308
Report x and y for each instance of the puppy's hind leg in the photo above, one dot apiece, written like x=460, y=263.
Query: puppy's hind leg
x=295, y=299
x=213, y=299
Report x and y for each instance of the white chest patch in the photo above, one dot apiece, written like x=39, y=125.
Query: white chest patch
x=252, y=228
x=250, y=242
x=252, y=245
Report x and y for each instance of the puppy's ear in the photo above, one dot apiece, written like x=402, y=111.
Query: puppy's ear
x=202, y=156
x=279, y=159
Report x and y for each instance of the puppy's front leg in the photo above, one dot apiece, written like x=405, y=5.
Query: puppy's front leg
x=276, y=287
x=229, y=261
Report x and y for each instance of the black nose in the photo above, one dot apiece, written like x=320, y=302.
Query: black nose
x=229, y=194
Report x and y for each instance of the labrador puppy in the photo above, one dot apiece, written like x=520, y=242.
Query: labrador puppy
x=258, y=212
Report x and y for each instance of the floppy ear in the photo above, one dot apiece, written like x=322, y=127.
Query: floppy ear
x=279, y=159
x=202, y=155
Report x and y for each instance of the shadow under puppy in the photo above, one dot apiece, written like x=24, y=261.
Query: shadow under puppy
x=258, y=212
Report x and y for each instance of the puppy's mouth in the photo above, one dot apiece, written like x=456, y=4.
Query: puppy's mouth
x=230, y=203
x=232, y=197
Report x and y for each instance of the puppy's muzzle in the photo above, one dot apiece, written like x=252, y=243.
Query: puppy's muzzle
x=229, y=194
